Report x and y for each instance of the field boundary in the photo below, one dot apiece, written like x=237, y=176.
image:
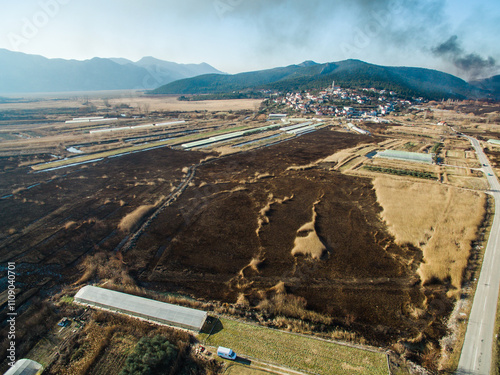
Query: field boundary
x=298, y=352
x=371, y=349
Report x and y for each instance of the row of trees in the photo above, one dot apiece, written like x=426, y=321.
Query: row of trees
x=402, y=172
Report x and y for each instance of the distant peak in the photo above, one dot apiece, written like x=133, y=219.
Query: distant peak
x=308, y=63
x=148, y=59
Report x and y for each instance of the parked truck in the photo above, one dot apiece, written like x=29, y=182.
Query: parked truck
x=226, y=353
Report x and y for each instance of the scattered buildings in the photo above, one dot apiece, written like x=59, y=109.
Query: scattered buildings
x=339, y=102
x=90, y=119
x=171, y=123
x=143, y=308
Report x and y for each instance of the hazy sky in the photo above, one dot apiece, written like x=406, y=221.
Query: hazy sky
x=457, y=36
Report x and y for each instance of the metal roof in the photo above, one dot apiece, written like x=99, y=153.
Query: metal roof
x=25, y=367
x=142, y=307
x=304, y=129
x=291, y=127
x=407, y=156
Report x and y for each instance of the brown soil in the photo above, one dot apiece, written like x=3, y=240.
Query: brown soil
x=48, y=229
x=203, y=242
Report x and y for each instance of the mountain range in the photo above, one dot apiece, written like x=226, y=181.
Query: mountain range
x=420, y=82
x=23, y=73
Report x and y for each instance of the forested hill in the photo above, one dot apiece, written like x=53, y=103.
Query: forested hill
x=427, y=83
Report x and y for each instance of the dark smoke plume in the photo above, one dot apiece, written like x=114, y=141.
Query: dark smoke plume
x=471, y=64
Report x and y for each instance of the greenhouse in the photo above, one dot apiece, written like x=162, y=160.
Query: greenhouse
x=406, y=156
x=144, y=308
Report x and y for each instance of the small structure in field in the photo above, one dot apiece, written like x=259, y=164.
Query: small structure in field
x=407, y=156
x=143, y=308
x=277, y=116
x=25, y=367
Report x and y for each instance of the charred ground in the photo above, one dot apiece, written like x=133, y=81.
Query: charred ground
x=229, y=236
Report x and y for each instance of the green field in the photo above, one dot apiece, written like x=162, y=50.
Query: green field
x=295, y=351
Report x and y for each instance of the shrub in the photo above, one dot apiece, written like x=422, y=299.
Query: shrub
x=149, y=356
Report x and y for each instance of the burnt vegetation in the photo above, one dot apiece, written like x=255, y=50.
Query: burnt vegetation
x=226, y=240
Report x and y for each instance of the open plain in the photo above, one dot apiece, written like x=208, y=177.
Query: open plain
x=309, y=233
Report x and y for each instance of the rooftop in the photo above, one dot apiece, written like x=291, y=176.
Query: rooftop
x=406, y=156
x=145, y=308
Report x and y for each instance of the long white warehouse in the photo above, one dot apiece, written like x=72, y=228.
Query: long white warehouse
x=144, y=308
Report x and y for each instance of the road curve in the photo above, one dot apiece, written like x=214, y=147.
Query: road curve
x=476, y=356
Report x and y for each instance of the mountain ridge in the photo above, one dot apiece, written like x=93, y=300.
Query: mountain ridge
x=409, y=81
x=20, y=73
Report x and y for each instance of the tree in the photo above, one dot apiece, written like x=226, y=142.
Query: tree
x=150, y=356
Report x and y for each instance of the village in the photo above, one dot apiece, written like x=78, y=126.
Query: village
x=344, y=102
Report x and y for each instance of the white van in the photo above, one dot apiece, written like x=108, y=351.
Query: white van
x=226, y=353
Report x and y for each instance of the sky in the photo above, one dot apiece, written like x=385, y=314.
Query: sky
x=456, y=36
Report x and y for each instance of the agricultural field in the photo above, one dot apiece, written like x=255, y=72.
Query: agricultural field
x=493, y=154
x=128, y=99
x=295, y=351
x=309, y=234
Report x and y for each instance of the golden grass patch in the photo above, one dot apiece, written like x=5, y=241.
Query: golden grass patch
x=441, y=220
x=255, y=263
x=132, y=219
x=69, y=225
x=310, y=245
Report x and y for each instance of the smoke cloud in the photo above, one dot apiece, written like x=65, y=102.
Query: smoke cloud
x=471, y=64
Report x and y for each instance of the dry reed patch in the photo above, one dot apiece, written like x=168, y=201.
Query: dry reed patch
x=442, y=221
x=255, y=263
x=279, y=288
x=309, y=245
x=263, y=217
x=302, y=167
x=345, y=154
x=69, y=225
x=132, y=219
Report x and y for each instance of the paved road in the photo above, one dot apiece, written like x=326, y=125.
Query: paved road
x=477, y=350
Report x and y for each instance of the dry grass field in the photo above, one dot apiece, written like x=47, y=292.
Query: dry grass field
x=171, y=104
x=441, y=220
x=133, y=100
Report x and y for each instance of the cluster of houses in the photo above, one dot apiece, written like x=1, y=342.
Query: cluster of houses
x=356, y=103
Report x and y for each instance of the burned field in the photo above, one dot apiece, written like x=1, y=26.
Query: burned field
x=51, y=220
x=268, y=232
x=251, y=229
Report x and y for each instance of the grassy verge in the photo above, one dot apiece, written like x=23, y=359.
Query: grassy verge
x=295, y=351
x=495, y=367
x=235, y=369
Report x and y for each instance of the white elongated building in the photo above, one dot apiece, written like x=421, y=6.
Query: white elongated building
x=25, y=367
x=144, y=308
